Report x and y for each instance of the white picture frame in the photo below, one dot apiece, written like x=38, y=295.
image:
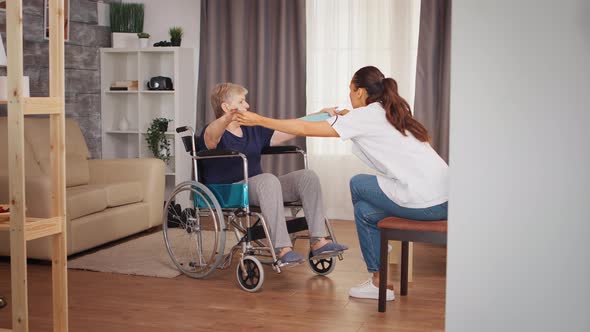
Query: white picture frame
x=66, y=19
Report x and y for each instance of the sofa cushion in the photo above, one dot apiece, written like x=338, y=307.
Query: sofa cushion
x=32, y=167
x=85, y=200
x=123, y=193
x=37, y=136
x=77, y=170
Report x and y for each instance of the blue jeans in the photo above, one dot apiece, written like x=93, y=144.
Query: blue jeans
x=371, y=205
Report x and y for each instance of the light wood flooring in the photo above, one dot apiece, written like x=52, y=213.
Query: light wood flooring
x=295, y=300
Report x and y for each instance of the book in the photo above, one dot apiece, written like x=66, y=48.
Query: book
x=126, y=83
x=122, y=88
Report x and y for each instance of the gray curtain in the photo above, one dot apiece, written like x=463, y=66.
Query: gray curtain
x=259, y=44
x=431, y=104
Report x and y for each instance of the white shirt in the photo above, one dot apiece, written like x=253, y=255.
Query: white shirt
x=411, y=173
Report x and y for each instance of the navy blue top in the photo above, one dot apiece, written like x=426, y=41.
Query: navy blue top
x=229, y=170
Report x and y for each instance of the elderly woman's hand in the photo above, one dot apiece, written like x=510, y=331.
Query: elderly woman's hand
x=249, y=119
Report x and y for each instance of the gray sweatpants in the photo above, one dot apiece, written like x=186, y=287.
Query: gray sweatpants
x=269, y=192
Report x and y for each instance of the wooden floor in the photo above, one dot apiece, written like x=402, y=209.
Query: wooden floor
x=295, y=300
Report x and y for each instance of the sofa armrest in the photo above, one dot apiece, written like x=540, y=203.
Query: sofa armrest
x=38, y=193
x=150, y=172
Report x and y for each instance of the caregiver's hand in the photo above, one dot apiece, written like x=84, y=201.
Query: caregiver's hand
x=249, y=119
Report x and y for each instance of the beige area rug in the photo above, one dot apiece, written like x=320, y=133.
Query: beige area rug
x=144, y=256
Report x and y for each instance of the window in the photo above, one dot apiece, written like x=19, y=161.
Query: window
x=342, y=37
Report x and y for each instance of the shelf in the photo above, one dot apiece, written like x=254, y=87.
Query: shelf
x=37, y=227
x=167, y=49
x=141, y=107
x=25, y=229
x=166, y=133
x=123, y=132
x=159, y=91
x=121, y=92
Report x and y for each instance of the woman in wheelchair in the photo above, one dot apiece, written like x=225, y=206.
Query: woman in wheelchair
x=227, y=165
x=265, y=190
x=413, y=179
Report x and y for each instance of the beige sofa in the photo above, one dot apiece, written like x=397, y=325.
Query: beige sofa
x=106, y=199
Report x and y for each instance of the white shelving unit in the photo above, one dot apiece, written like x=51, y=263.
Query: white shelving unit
x=140, y=107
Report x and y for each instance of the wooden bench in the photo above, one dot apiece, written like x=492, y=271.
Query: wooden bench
x=405, y=230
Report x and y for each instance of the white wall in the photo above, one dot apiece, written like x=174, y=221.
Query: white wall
x=160, y=15
x=519, y=219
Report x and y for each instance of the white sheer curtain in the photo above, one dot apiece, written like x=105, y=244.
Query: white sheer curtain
x=343, y=36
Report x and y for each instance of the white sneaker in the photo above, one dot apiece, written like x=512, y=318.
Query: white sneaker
x=367, y=290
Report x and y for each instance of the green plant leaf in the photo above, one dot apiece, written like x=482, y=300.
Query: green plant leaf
x=157, y=140
x=127, y=17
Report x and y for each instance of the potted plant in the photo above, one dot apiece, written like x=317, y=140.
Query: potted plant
x=126, y=22
x=143, y=39
x=175, y=35
x=156, y=139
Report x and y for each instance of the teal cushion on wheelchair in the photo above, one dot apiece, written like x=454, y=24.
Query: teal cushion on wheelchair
x=228, y=195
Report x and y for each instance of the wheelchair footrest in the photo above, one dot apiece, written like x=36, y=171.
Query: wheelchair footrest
x=327, y=255
x=293, y=226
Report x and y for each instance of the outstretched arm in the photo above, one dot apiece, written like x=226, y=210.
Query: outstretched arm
x=215, y=130
x=280, y=137
x=291, y=126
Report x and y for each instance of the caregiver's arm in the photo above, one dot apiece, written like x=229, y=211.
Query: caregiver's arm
x=291, y=126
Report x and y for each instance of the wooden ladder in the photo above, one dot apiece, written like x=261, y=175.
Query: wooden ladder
x=23, y=229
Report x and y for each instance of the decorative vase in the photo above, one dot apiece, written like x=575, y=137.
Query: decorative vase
x=124, y=40
x=163, y=126
x=176, y=42
x=164, y=153
x=143, y=42
x=123, y=123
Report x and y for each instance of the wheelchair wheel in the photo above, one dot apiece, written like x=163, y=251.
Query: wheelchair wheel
x=194, y=236
x=321, y=266
x=252, y=279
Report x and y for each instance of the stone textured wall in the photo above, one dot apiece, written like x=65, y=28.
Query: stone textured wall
x=82, y=62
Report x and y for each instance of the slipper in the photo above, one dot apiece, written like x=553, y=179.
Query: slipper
x=291, y=257
x=329, y=248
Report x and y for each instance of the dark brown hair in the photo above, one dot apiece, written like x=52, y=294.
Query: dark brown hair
x=397, y=109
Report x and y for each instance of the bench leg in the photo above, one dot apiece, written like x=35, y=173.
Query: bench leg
x=404, y=268
x=383, y=271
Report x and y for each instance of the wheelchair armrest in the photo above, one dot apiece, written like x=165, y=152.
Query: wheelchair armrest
x=218, y=153
x=281, y=149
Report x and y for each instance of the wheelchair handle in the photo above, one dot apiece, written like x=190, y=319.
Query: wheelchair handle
x=182, y=129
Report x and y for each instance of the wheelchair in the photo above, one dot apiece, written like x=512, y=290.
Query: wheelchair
x=197, y=219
